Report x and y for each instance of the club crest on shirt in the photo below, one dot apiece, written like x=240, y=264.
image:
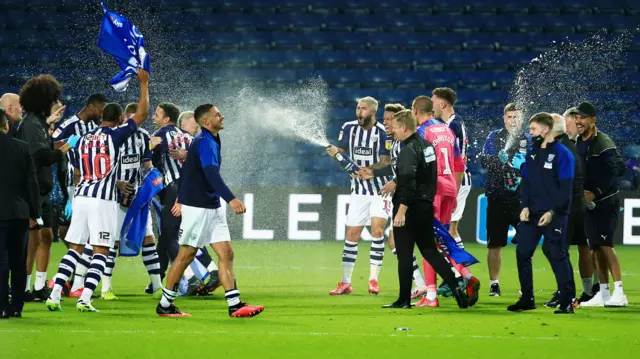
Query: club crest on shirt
x=57, y=133
x=551, y=157
x=374, y=138
x=429, y=154
x=523, y=143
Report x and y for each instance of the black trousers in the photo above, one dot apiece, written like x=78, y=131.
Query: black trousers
x=13, y=256
x=554, y=248
x=168, y=246
x=170, y=227
x=418, y=230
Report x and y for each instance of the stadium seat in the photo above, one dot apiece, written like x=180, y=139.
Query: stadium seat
x=479, y=42
x=274, y=22
x=256, y=40
x=220, y=40
x=320, y=41
x=513, y=42
x=565, y=24
x=381, y=41
x=512, y=7
x=268, y=59
x=402, y=60
x=338, y=23
x=446, y=42
x=380, y=78
x=429, y=23
x=443, y=79
x=412, y=79
x=351, y=41
x=492, y=98
x=483, y=7
x=497, y=23
x=209, y=22
x=347, y=97
x=450, y=7
x=356, y=7
x=429, y=60
x=306, y=22
x=595, y=24
x=466, y=99
x=395, y=96
x=459, y=60
x=369, y=23
x=301, y=59
x=365, y=59
x=281, y=78
x=464, y=24
x=548, y=7
x=345, y=78
x=332, y=59
x=286, y=41
x=528, y=23
x=322, y=7
x=413, y=41
x=403, y=24
x=416, y=7
x=476, y=80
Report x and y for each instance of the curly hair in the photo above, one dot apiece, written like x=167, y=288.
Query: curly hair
x=40, y=93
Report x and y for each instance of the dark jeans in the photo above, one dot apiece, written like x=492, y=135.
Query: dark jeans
x=13, y=257
x=418, y=230
x=170, y=227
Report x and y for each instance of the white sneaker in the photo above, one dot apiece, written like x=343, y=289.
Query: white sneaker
x=618, y=299
x=596, y=301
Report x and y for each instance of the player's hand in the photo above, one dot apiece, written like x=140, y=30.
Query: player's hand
x=398, y=220
x=589, y=196
x=389, y=188
x=524, y=215
x=332, y=150
x=176, y=210
x=545, y=219
x=32, y=223
x=143, y=76
x=154, y=141
x=365, y=173
x=55, y=117
x=237, y=206
x=179, y=154
x=125, y=187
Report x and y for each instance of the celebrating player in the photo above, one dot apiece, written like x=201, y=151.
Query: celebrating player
x=450, y=163
x=204, y=221
x=95, y=205
x=364, y=141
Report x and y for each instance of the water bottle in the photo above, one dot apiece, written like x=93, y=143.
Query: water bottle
x=590, y=205
x=347, y=163
x=127, y=198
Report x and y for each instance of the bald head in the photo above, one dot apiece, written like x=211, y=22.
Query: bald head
x=559, y=124
x=10, y=102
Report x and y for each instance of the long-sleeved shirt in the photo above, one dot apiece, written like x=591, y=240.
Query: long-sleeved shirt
x=173, y=138
x=603, y=164
x=547, y=179
x=502, y=178
x=201, y=184
x=417, y=171
x=33, y=130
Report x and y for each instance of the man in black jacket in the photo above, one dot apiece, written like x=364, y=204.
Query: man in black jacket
x=413, y=211
x=602, y=167
x=20, y=205
x=37, y=97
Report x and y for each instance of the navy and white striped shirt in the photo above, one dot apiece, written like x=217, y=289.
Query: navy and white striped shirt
x=72, y=126
x=97, y=158
x=364, y=147
x=173, y=138
x=456, y=125
x=133, y=153
x=396, y=146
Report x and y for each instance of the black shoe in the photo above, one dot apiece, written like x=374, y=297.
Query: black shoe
x=41, y=295
x=149, y=289
x=584, y=297
x=522, y=304
x=460, y=293
x=398, y=305
x=494, y=291
x=15, y=314
x=193, y=287
x=28, y=297
x=4, y=314
x=170, y=311
x=564, y=309
x=595, y=289
x=554, y=302
x=214, y=281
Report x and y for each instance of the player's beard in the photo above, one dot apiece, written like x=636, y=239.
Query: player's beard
x=366, y=121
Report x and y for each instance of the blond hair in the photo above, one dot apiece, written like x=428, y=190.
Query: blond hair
x=405, y=118
x=371, y=101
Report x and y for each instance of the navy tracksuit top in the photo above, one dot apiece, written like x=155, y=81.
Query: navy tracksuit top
x=547, y=179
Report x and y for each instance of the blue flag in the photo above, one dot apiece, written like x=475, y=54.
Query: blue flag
x=449, y=246
x=122, y=40
x=135, y=222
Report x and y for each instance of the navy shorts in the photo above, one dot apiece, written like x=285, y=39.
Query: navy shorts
x=600, y=222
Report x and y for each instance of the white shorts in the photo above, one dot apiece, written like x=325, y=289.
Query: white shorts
x=122, y=213
x=362, y=208
x=202, y=226
x=463, y=193
x=96, y=219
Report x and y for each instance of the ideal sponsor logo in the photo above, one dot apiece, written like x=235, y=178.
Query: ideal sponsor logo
x=363, y=151
x=129, y=159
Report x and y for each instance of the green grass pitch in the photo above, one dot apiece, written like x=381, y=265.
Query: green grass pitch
x=292, y=280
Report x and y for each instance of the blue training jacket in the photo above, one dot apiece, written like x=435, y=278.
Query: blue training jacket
x=547, y=179
x=135, y=222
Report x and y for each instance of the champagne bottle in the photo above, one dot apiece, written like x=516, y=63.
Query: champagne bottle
x=347, y=163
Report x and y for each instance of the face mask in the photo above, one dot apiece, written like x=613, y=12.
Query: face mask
x=538, y=139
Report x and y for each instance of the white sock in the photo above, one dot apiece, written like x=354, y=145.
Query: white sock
x=432, y=295
x=212, y=267
x=189, y=273
x=587, y=285
x=347, y=273
x=106, y=283
x=492, y=282
x=418, y=280
x=617, y=287
x=604, y=289
x=78, y=282
x=374, y=271
x=28, y=287
x=41, y=280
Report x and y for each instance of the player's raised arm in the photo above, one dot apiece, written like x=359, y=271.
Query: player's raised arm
x=143, y=102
